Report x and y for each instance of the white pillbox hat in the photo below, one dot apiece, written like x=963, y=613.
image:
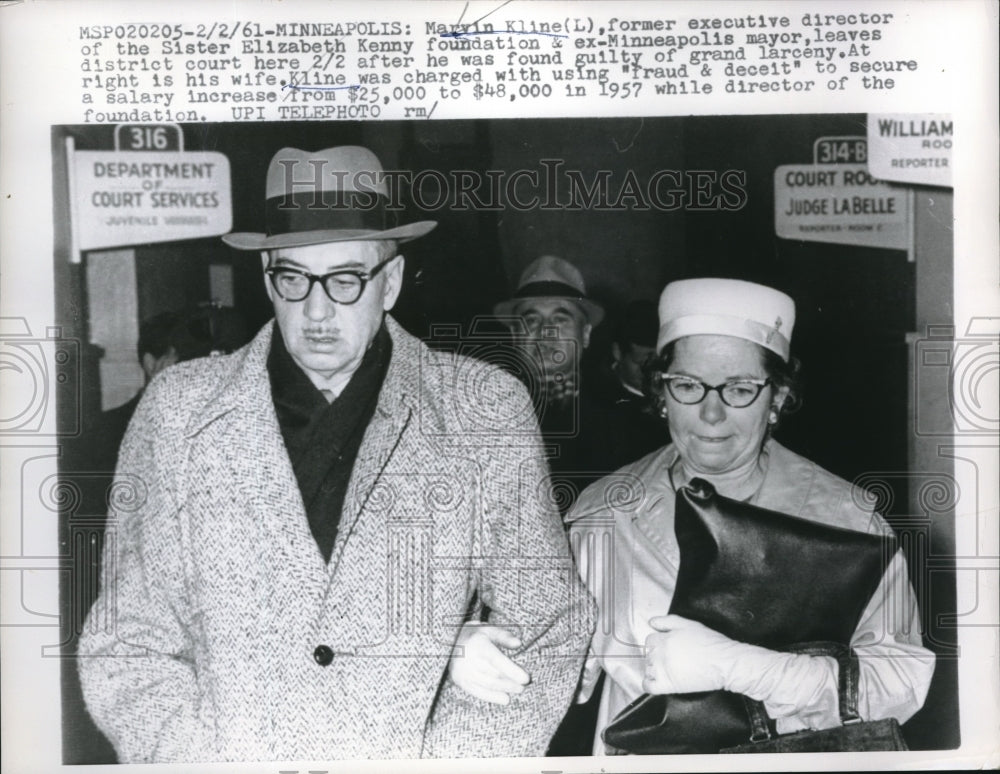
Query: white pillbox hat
x=727, y=307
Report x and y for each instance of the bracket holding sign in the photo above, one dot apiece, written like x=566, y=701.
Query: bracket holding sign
x=148, y=190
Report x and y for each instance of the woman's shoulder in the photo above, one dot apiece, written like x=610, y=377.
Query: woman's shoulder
x=800, y=487
x=623, y=492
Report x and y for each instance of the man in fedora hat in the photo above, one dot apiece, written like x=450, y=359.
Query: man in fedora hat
x=551, y=320
x=309, y=520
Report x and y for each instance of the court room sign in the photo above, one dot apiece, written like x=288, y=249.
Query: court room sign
x=151, y=194
x=841, y=204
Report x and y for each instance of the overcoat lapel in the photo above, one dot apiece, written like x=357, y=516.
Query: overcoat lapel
x=788, y=482
x=243, y=426
x=240, y=422
x=386, y=433
x=654, y=520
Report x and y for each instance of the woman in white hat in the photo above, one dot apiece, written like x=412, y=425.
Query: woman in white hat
x=723, y=378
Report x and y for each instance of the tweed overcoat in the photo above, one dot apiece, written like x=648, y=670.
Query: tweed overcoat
x=203, y=643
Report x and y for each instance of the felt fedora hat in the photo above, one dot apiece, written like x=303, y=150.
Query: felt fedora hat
x=552, y=277
x=333, y=195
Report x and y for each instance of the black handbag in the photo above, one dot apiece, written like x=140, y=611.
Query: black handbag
x=757, y=576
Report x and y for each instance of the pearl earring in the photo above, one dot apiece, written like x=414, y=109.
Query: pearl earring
x=773, y=417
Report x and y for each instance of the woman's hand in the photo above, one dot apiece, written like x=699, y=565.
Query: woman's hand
x=481, y=669
x=684, y=656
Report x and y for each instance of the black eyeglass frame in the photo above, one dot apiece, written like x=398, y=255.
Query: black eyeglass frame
x=668, y=379
x=363, y=277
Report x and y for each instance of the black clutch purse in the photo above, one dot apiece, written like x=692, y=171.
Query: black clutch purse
x=757, y=576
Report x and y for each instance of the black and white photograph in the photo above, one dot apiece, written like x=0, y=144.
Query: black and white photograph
x=472, y=384
x=345, y=518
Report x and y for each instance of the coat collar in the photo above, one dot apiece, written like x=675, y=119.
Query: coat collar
x=246, y=387
x=786, y=488
x=396, y=406
x=259, y=462
x=788, y=483
x=237, y=423
x=402, y=380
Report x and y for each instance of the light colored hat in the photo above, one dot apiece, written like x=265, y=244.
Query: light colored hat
x=727, y=307
x=333, y=195
x=552, y=277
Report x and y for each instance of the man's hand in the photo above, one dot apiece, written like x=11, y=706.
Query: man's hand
x=684, y=656
x=481, y=669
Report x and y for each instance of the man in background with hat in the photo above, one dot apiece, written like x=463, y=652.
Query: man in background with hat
x=314, y=514
x=551, y=320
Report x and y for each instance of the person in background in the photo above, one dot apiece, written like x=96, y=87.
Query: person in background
x=165, y=339
x=318, y=511
x=634, y=427
x=551, y=320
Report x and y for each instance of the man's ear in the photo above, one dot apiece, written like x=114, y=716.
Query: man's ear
x=393, y=282
x=587, y=328
x=265, y=261
x=152, y=365
x=148, y=363
x=616, y=352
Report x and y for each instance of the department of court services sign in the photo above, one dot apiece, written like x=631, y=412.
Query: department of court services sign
x=129, y=197
x=840, y=203
x=911, y=148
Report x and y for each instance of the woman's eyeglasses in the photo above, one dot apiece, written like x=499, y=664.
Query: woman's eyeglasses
x=736, y=393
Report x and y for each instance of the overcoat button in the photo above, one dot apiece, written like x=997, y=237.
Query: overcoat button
x=323, y=655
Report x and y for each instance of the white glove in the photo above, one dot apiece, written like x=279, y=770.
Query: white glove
x=684, y=656
x=481, y=669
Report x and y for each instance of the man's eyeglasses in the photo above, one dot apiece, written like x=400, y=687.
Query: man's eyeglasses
x=343, y=287
x=736, y=393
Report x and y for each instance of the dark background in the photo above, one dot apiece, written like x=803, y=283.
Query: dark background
x=855, y=305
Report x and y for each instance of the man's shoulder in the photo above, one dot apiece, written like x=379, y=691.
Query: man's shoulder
x=184, y=389
x=193, y=376
x=474, y=395
x=465, y=378
x=455, y=394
